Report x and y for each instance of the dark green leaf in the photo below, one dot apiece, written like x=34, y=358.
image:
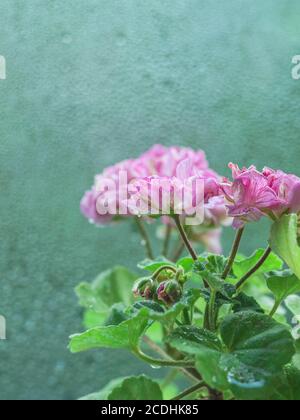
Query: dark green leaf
x=189, y=339
x=255, y=349
x=289, y=385
x=243, y=303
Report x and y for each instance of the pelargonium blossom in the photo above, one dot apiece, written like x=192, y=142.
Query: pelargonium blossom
x=253, y=194
x=176, y=166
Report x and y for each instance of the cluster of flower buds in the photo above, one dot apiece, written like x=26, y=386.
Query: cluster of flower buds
x=145, y=288
x=164, y=286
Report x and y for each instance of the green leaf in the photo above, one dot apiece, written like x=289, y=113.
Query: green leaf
x=126, y=335
x=258, y=340
x=284, y=241
x=283, y=284
x=243, y=303
x=215, y=282
x=187, y=263
x=289, y=386
x=111, y=287
x=92, y=319
x=128, y=389
x=242, y=266
x=216, y=264
x=206, y=345
x=153, y=265
x=258, y=349
x=293, y=304
x=255, y=348
x=104, y=393
x=136, y=388
x=189, y=339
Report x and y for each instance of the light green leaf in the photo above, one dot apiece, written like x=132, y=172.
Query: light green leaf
x=153, y=265
x=283, y=284
x=125, y=335
x=241, y=267
x=187, y=263
x=128, y=389
x=136, y=388
x=111, y=287
x=104, y=393
x=293, y=304
x=284, y=241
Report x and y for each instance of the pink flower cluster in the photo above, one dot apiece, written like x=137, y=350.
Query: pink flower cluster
x=175, y=168
x=253, y=194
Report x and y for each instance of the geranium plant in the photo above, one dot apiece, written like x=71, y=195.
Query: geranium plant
x=228, y=325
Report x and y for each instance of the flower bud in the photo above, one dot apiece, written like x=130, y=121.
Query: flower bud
x=144, y=288
x=169, y=292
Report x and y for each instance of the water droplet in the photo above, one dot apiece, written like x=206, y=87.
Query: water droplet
x=156, y=367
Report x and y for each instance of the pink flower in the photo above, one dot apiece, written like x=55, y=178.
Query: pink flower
x=176, y=171
x=89, y=210
x=163, y=161
x=287, y=188
x=254, y=194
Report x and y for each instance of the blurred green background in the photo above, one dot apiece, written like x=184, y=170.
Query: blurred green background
x=96, y=81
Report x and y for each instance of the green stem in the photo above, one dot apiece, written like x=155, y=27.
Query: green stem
x=161, y=269
x=254, y=269
x=189, y=373
x=189, y=391
x=211, y=310
x=145, y=237
x=275, y=308
x=185, y=238
x=233, y=253
x=186, y=316
x=167, y=241
x=163, y=363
